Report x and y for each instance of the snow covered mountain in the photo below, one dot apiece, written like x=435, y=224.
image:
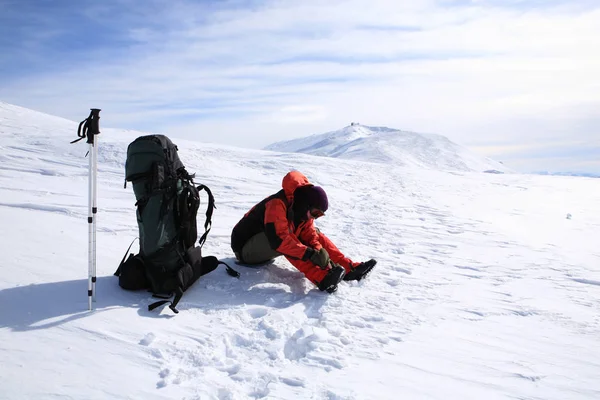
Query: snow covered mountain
x=390, y=146
x=484, y=289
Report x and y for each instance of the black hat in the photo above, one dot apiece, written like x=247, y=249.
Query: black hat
x=311, y=196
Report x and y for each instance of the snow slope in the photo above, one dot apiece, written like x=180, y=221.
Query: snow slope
x=484, y=289
x=390, y=146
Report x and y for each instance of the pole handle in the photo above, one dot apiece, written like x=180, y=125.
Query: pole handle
x=89, y=127
x=94, y=124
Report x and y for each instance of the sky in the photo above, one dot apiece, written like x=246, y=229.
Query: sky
x=518, y=81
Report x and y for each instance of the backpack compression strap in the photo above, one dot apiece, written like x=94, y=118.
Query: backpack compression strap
x=118, y=271
x=209, y=212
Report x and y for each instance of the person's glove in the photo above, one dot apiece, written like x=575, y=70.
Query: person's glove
x=320, y=258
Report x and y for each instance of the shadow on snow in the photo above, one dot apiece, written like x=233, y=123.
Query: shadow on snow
x=46, y=305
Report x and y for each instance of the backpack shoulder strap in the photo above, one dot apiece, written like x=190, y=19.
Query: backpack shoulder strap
x=209, y=212
x=209, y=263
x=172, y=303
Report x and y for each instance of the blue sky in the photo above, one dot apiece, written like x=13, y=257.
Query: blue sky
x=515, y=80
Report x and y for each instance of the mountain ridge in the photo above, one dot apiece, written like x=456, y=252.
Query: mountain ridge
x=388, y=145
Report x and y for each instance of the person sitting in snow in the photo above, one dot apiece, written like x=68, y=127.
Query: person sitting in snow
x=282, y=224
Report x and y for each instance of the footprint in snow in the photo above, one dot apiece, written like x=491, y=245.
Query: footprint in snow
x=148, y=339
x=163, y=382
x=296, y=382
x=257, y=312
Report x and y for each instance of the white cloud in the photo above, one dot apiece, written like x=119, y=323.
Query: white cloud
x=281, y=69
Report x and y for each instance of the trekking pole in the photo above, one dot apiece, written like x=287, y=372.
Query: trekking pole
x=91, y=128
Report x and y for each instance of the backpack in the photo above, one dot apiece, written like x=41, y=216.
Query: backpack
x=167, y=202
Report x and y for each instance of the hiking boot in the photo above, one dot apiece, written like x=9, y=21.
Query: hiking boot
x=360, y=271
x=330, y=282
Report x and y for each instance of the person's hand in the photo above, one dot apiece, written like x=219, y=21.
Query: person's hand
x=320, y=258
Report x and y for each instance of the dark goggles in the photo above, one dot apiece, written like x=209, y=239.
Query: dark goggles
x=316, y=213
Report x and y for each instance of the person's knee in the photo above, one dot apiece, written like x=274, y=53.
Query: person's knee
x=257, y=255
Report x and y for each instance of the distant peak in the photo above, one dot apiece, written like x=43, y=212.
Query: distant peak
x=355, y=130
x=387, y=145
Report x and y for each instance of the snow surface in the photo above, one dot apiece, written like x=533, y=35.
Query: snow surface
x=483, y=290
x=391, y=146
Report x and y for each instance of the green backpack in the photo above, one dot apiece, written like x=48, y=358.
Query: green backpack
x=167, y=201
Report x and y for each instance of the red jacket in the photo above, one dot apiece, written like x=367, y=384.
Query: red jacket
x=275, y=218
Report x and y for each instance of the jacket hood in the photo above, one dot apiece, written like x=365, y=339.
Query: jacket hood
x=292, y=181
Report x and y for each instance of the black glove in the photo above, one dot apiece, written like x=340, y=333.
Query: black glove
x=360, y=271
x=320, y=258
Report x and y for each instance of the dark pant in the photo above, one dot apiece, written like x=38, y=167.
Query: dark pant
x=258, y=251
